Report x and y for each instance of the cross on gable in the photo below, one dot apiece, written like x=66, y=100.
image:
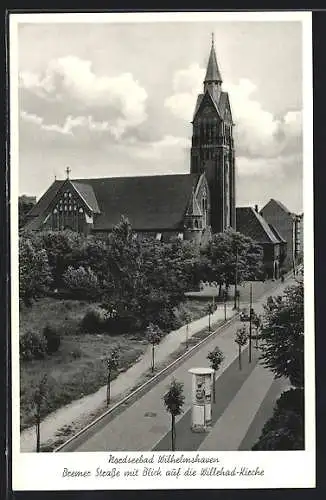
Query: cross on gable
x=68, y=170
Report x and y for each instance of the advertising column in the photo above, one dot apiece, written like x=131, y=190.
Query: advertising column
x=202, y=382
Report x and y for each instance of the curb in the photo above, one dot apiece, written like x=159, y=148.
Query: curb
x=147, y=383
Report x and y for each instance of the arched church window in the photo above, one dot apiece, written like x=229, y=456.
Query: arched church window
x=196, y=223
x=204, y=206
x=81, y=210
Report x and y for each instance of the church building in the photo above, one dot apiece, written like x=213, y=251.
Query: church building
x=189, y=206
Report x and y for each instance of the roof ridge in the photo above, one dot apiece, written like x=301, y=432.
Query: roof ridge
x=80, y=180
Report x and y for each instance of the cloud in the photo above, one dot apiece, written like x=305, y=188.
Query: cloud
x=268, y=167
x=167, y=147
x=187, y=84
x=257, y=132
x=69, y=87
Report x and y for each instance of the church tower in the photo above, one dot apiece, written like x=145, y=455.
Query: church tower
x=212, y=149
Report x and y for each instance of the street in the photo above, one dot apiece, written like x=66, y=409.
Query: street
x=242, y=396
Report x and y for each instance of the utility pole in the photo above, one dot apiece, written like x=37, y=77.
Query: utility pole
x=250, y=322
x=236, y=280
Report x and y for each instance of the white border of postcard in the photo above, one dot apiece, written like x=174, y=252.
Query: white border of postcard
x=289, y=469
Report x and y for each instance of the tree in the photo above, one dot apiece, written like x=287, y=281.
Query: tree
x=154, y=336
x=231, y=258
x=216, y=357
x=125, y=263
x=186, y=317
x=282, y=335
x=93, y=252
x=112, y=363
x=173, y=401
x=257, y=322
x=285, y=429
x=210, y=311
x=34, y=271
x=241, y=338
x=23, y=208
x=60, y=248
x=81, y=281
x=39, y=400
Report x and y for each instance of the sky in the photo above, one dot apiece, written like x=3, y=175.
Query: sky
x=117, y=99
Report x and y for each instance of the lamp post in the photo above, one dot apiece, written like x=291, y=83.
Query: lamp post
x=225, y=297
x=236, y=280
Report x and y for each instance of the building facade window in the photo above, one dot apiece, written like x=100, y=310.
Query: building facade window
x=204, y=208
x=68, y=213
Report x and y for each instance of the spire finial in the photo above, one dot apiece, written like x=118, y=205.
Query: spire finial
x=212, y=39
x=68, y=170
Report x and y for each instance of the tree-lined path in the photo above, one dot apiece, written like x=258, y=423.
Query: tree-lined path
x=145, y=425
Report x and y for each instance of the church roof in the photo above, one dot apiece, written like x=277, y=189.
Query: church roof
x=252, y=224
x=86, y=191
x=193, y=207
x=212, y=73
x=149, y=202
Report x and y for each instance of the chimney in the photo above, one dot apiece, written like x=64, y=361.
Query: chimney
x=256, y=208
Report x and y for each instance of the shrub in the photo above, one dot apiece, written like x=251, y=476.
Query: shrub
x=94, y=320
x=52, y=338
x=32, y=346
x=76, y=353
x=82, y=281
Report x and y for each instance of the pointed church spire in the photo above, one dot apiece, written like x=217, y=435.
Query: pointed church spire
x=212, y=73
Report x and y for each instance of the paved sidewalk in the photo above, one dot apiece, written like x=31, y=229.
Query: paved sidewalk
x=145, y=424
x=229, y=431
x=79, y=411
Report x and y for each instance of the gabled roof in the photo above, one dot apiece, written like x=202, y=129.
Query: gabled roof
x=224, y=105
x=87, y=194
x=193, y=207
x=252, y=224
x=280, y=204
x=198, y=103
x=277, y=234
x=212, y=73
x=149, y=202
x=45, y=199
x=221, y=105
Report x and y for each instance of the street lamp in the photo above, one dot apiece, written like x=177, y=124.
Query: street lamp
x=236, y=280
x=225, y=298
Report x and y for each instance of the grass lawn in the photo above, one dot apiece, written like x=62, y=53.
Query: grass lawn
x=77, y=369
